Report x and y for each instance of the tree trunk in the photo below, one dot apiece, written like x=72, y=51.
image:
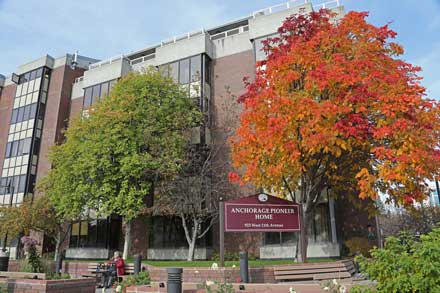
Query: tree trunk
x=303, y=243
x=57, y=257
x=127, y=240
x=192, y=242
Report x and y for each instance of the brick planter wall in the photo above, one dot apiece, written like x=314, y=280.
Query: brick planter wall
x=54, y=286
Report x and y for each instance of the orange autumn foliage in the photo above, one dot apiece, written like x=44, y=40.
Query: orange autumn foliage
x=333, y=105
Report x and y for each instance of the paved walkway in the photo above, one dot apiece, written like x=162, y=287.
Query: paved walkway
x=101, y=290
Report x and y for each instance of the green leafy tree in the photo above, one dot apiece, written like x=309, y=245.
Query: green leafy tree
x=405, y=264
x=116, y=152
x=38, y=215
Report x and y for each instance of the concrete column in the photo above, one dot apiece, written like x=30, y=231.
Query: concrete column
x=331, y=206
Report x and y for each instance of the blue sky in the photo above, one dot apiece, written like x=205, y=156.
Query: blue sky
x=103, y=28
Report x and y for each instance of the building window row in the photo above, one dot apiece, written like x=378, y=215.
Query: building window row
x=94, y=93
x=18, y=148
x=95, y=233
x=24, y=113
x=31, y=75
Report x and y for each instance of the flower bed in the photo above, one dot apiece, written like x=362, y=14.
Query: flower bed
x=41, y=286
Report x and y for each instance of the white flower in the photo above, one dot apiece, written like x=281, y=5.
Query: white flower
x=119, y=288
x=342, y=289
x=209, y=283
x=291, y=290
x=326, y=288
x=196, y=272
x=335, y=282
x=234, y=266
x=214, y=266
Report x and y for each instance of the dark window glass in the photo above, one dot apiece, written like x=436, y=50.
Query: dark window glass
x=27, y=76
x=14, y=116
x=27, y=111
x=20, y=114
x=33, y=111
x=96, y=93
x=32, y=75
x=8, y=149
x=92, y=230
x=38, y=72
x=207, y=71
x=88, y=97
x=27, y=146
x=104, y=89
x=20, y=147
x=3, y=186
x=41, y=111
x=184, y=71
x=36, y=146
x=31, y=184
x=22, y=185
x=174, y=71
x=102, y=233
x=14, y=148
x=196, y=68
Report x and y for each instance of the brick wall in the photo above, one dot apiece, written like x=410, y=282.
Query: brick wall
x=57, y=113
x=6, y=103
x=54, y=286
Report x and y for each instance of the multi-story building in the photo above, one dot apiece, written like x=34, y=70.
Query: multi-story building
x=42, y=96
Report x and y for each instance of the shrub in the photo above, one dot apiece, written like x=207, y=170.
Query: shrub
x=232, y=256
x=143, y=278
x=32, y=256
x=405, y=264
x=358, y=245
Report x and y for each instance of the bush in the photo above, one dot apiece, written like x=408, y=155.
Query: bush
x=231, y=256
x=405, y=264
x=358, y=245
x=32, y=256
x=55, y=276
x=143, y=278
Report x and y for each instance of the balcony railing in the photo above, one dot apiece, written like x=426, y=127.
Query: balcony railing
x=143, y=59
x=231, y=32
x=106, y=62
x=182, y=37
x=294, y=3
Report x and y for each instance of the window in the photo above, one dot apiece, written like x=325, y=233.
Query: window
x=20, y=114
x=174, y=71
x=96, y=93
x=27, y=112
x=27, y=146
x=14, y=116
x=104, y=89
x=88, y=97
x=22, y=185
x=33, y=111
x=207, y=72
x=95, y=233
x=14, y=148
x=184, y=71
x=196, y=67
x=8, y=150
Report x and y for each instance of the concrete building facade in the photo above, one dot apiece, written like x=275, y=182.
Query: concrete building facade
x=37, y=102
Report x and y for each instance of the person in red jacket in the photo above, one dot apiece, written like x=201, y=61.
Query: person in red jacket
x=117, y=268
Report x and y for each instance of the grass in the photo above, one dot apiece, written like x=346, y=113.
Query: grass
x=208, y=263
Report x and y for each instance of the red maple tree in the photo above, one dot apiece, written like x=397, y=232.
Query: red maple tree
x=333, y=105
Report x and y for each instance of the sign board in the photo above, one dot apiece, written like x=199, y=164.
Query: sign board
x=261, y=213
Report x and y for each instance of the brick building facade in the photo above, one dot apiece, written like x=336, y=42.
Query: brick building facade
x=215, y=60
